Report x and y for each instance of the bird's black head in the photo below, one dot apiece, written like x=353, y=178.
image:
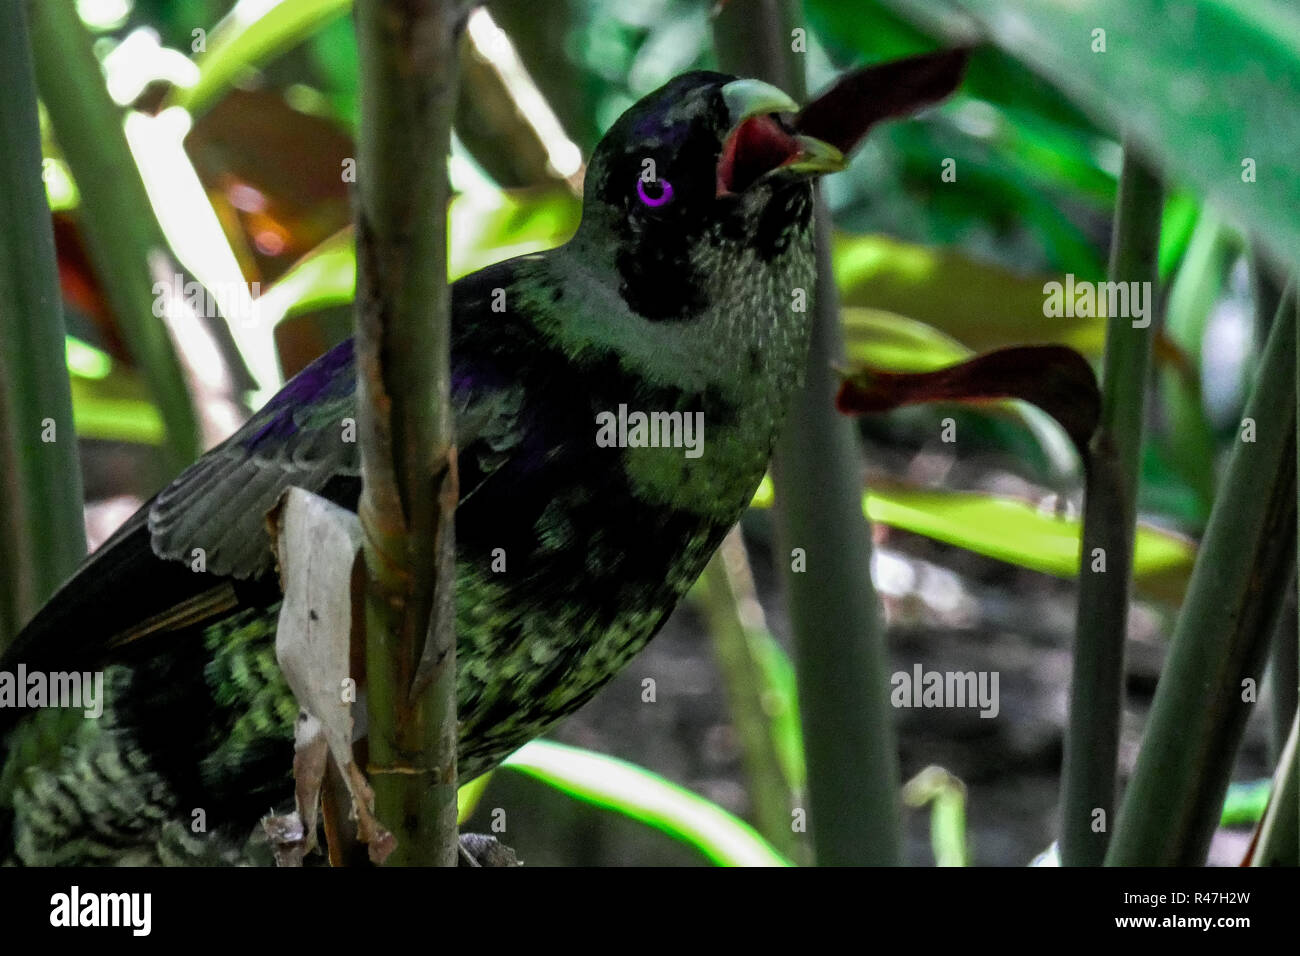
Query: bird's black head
x=704, y=164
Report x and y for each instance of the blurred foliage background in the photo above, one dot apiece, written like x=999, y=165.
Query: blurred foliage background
x=239, y=121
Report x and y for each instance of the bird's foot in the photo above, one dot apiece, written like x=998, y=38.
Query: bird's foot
x=479, y=849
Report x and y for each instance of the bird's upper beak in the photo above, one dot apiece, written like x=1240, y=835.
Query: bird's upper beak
x=759, y=142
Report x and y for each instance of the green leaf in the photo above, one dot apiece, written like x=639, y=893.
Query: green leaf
x=86, y=360
x=1182, y=212
x=979, y=305
x=109, y=401
x=116, y=218
x=250, y=35
x=1204, y=87
x=637, y=793
x=116, y=408
x=1245, y=803
x=1017, y=532
x=781, y=682
x=867, y=31
x=482, y=230
x=469, y=795
x=946, y=796
x=894, y=342
x=1187, y=437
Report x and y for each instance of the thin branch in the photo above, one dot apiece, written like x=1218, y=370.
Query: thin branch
x=1109, y=521
x=408, y=63
x=42, y=531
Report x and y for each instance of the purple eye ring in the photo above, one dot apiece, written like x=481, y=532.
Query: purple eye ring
x=654, y=202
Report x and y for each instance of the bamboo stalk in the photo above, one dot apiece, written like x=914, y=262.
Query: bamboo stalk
x=1109, y=522
x=42, y=532
x=408, y=63
x=117, y=221
x=1242, y=570
x=1284, y=651
x=853, y=773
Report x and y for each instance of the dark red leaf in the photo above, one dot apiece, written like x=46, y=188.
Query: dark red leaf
x=1057, y=379
x=842, y=115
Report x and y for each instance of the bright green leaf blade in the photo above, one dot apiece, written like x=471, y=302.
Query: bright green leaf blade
x=787, y=729
x=250, y=35
x=637, y=793
x=979, y=305
x=1205, y=87
x=893, y=342
x=1182, y=212
x=103, y=409
x=109, y=402
x=1245, y=803
x=469, y=795
x=1015, y=531
x=60, y=188
x=85, y=360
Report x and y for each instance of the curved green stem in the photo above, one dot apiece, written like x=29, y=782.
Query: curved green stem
x=1109, y=520
x=42, y=534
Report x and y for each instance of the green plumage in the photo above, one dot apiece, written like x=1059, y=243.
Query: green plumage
x=684, y=307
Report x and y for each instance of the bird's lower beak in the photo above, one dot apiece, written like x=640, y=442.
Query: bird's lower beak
x=816, y=157
x=761, y=143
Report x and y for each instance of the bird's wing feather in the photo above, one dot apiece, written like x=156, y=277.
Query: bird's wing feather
x=306, y=437
x=148, y=579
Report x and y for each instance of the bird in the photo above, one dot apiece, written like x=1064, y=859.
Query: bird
x=683, y=292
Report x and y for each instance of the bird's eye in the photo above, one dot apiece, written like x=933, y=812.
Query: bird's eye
x=656, y=193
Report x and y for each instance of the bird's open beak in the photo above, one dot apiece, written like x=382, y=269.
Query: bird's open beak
x=760, y=142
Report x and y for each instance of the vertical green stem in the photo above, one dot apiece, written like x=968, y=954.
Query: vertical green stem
x=853, y=772
x=117, y=221
x=1109, y=518
x=1294, y=782
x=1208, y=686
x=1284, y=672
x=42, y=534
x=408, y=64
x=1278, y=842
x=1284, y=651
x=727, y=587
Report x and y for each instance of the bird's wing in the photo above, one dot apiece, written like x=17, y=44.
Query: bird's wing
x=306, y=437
x=213, y=514
x=182, y=558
